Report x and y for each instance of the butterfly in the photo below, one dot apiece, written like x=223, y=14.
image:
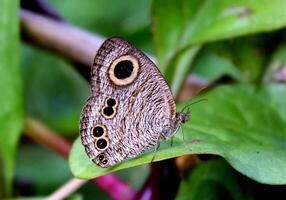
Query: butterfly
x=131, y=107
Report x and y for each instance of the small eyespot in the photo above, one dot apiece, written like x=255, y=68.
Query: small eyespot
x=123, y=69
x=97, y=131
x=104, y=162
x=108, y=111
x=101, y=157
x=101, y=144
x=111, y=102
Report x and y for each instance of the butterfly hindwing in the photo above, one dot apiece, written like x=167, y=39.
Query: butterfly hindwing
x=131, y=106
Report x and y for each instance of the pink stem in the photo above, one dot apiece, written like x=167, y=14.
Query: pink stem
x=41, y=134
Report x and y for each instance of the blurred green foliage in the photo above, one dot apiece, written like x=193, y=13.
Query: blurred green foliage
x=11, y=97
x=129, y=19
x=211, y=180
x=55, y=93
x=40, y=169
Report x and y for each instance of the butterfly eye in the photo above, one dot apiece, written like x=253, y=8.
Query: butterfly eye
x=101, y=144
x=124, y=70
x=98, y=131
x=111, y=102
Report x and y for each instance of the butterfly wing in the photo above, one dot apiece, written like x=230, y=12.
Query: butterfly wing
x=131, y=106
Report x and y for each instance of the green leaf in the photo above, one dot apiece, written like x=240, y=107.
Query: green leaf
x=179, y=67
x=250, y=56
x=186, y=24
x=211, y=67
x=244, y=124
x=11, y=109
x=211, y=180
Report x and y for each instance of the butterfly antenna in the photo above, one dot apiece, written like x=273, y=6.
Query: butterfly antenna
x=187, y=106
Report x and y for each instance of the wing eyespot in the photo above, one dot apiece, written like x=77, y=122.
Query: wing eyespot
x=98, y=131
x=101, y=159
x=111, y=102
x=124, y=70
x=101, y=144
x=109, y=110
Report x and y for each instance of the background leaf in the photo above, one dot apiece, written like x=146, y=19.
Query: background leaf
x=242, y=123
x=128, y=19
x=211, y=180
x=55, y=93
x=186, y=24
x=29, y=177
x=211, y=67
x=11, y=109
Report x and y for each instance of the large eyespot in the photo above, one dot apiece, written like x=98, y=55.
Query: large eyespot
x=111, y=102
x=101, y=144
x=98, y=131
x=124, y=70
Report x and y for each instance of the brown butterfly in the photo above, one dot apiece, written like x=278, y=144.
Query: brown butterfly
x=131, y=107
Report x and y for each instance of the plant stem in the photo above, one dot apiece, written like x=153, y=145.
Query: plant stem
x=60, y=37
x=42, y=7
x=40, y=133
x=67, y=189
x=108, y=183
x=71, y=42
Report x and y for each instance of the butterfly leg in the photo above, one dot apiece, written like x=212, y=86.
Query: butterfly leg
x=155, y=150
x=172, y=141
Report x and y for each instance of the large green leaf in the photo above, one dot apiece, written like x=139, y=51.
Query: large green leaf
x=186, y=24
x=11, y=109
x=244, y=124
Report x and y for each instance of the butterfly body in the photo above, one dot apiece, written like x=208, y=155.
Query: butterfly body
x=131, y=107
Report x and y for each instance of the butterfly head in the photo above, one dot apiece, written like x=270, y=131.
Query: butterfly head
x=184, y=116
